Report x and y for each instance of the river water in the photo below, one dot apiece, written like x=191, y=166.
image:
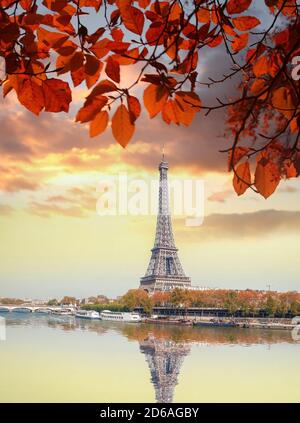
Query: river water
x=62, y=359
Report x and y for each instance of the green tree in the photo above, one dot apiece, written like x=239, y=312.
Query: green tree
x=52, y=302
x=231, y=302
x=271, y=305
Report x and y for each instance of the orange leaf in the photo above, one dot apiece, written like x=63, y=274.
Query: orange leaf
x=133, y=19
x=134, y=108
x=104, y=86
x=31, y=96
x=244, y=23
x=242, y=178
x=91, y=107
x=78, y=76
x=99, y=123
x=237, y=6
x=234, y=158
x=57, y=95
x=155, y=97
x=283, y=102
x=100, y=49
x=240, y=42
x=203, y=15
x=112, y=69
x=51, y=39
x=121, y=126
x=267, y=177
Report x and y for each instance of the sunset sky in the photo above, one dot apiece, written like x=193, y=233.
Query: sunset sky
x=53, y=243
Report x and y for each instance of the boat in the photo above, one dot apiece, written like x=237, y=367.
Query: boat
x=216, y=323
x=87, y=314
x=62, y=312
x=120, y=316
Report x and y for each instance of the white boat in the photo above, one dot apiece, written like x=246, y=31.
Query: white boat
x=120, y=316
x=87, y=314
x=62, y=312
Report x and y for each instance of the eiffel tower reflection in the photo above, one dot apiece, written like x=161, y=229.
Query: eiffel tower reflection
x=165, y=358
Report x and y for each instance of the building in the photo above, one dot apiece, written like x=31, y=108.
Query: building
x=164, y=272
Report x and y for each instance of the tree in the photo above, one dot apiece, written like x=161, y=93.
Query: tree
x=52, y=302
x=179, y=297
x=134, y=298
x=271, y=305
x=68, y=300
x=231, y=302
x=43, y=43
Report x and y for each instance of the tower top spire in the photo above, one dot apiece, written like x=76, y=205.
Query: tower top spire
x=163, y=164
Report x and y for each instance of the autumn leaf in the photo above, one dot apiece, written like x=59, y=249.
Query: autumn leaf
x=134, y=107
x=242, y=178
x=133, y=19
x=236, y=155
x=99, y=123
x=91, y=107
x=283, y=102
x=31, y=95
x=267, y=177
x=57, y=95
x=155, y=97
x=112, y=69
x=245, y=23
x=104, y=86
x=121, y=125
x=237, y=6
x=240, y=42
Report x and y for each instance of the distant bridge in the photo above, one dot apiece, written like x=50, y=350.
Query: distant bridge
x=33, y=309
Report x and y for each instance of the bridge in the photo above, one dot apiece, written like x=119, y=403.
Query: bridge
x=34, y=309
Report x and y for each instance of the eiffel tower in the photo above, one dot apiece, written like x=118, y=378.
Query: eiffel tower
x=164, y=272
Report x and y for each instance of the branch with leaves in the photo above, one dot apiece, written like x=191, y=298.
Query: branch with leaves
x=162, y=41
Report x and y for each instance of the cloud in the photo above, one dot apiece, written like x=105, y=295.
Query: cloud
x=15, y=184
x=5, y=210
x=221, y=196
x=243, y=225
x=75, y=202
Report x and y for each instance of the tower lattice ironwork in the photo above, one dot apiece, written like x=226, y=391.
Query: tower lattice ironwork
x=164, y=271
x=165, y=358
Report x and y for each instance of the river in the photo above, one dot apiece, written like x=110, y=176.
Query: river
x=48, y=358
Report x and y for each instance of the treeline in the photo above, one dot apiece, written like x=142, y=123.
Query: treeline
x=11, y=301
x=247, y=302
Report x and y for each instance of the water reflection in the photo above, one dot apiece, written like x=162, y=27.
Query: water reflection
x=164, y=347
x=164, y=359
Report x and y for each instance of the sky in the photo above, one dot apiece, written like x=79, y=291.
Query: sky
x=53, y=242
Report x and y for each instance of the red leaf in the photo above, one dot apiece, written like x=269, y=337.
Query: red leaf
x=57, y=95
x=112, y=69
x=155, y=97
x=103, y=87
x=121, y=125
x=238, y=6
x=244, y=23
x=242, y=178
x=31, y=96
x=267, y=177
x=133, y=19
x=134, y=108
x=99, y=124
x=240, y=42
x=91, y=107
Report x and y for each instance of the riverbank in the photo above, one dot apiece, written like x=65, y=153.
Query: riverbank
x=245, y=323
